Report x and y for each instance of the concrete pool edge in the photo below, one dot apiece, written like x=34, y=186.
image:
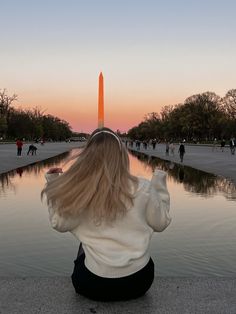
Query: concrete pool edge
x=167, y=295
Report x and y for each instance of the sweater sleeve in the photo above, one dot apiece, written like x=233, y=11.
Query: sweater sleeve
x=58, y=222
x=51, y=176
x=158, y=206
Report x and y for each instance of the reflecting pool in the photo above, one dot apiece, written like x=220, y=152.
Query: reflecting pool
x=200, y=241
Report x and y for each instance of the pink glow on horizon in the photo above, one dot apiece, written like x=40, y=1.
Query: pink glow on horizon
x=81, y=112
x=123, y=110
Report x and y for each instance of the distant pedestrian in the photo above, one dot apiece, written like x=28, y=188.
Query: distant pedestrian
x=181, y=151
x=154, y=142
x=145, y=144
x=138, y=144
x=32, y=149
x=167, y=148
x=232, y=145
x=172, y=148
x=214, y=145
x=222, y=144
x=19, y=145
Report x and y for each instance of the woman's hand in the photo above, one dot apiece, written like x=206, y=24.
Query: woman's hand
x=54, y=170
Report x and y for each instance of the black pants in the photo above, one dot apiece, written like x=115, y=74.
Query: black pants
x=111, y=289
x=19, y=150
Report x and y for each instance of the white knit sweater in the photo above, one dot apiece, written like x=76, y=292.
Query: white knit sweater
x=121, y=248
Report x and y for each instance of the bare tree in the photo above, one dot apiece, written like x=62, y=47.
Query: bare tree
x=152, y=116
x=230, y=103
x=6, y=101
x=5, y=106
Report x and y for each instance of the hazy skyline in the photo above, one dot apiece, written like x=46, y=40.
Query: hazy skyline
x=151, y=53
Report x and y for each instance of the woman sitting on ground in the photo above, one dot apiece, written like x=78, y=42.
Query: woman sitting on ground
x=113, y=214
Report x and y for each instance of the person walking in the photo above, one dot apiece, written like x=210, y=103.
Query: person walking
x=232, y=145
x=19, y=145
x=154, y=142
x=167, y=148
x=138, y=144
x=181, y=151
x=145, y=144
x=113, y=214
x=172, y=148
x=222, y=144
x=214, y=145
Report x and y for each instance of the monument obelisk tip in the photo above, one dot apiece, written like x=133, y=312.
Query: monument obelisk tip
x=100, y=102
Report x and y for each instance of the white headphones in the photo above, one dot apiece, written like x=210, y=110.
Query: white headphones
x=105, y=131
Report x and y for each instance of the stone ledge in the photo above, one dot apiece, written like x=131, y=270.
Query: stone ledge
x=167, y=295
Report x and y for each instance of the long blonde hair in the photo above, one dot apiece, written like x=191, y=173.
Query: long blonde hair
x=98, y=182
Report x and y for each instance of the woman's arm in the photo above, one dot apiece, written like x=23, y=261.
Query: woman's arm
x=157, y=212
x=60, y=223
x=52, y=173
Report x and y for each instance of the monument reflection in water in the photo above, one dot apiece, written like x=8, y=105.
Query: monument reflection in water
x=199, y=241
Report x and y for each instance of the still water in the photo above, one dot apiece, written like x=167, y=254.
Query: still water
x=200, y=241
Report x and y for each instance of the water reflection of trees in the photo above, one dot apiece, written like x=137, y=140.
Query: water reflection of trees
x=6, y=182
x=193, y=180
x=38, y=167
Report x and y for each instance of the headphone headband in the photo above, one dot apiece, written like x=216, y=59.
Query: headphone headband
x=105, y=131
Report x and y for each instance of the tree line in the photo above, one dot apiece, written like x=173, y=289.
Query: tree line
x=29, y=124
x=201, y=117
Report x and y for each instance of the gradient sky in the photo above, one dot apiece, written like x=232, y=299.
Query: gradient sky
x=152, y=53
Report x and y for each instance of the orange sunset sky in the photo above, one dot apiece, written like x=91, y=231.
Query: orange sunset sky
x=151, y=53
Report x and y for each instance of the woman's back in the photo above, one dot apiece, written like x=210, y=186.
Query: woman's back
x=120, y=247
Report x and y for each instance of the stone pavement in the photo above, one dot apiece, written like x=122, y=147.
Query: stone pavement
x=9, y=160
x=199, y=157
x=55, y=295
